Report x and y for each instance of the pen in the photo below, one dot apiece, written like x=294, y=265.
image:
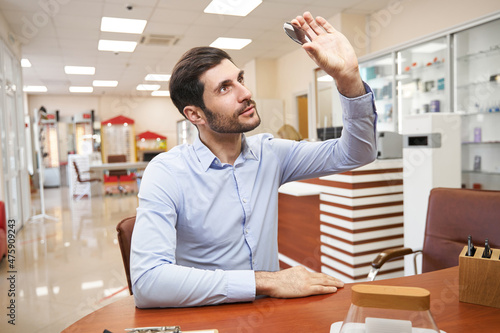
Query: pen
x=166, y=329
x=470, y=247
x=487, y=250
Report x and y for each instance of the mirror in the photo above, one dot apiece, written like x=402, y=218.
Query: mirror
x=296, y=33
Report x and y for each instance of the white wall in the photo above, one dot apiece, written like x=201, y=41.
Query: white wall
x=407, y=20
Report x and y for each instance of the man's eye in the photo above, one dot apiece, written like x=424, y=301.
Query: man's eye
x=241, y=79
x=223, y=89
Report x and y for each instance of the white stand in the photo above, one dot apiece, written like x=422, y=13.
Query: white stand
x=42, y=215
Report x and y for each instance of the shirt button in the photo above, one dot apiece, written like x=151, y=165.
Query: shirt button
x=246, y=231
x=244, y=200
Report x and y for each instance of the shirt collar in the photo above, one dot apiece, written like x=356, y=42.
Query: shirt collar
x=247, y=151
x=207, y=158
x=205, y=155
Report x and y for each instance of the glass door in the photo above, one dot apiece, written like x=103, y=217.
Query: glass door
x=477, y=98
x=422, y=78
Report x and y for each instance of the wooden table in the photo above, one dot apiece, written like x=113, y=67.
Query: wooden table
x=308, y=314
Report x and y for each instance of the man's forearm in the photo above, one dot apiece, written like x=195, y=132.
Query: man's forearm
x=170, y=285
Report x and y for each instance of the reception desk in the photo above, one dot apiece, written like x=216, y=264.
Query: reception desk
x=338, y=224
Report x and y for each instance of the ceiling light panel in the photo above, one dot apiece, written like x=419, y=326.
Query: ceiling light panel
x=157, y=77
x=78, y=89
x=104, y=83
x=160, y=93
x=235, y=8
x=128, y=26
x=148, y=87
x=230, y=43
x=35, y=89
x=116, y=46
x=79, y=70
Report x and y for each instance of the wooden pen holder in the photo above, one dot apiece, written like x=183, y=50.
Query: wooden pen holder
x=479, y=278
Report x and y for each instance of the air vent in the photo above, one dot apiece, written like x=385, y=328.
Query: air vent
x=159, y=40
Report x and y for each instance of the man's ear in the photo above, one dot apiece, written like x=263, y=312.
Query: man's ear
x=194, y=114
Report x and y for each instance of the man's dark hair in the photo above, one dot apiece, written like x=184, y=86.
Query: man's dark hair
x=185, y=85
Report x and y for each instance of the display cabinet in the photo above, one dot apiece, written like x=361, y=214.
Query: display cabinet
x=379, y=74
x=82, y=129
x=455, y=71
x=118, y=138
x=149, y=144
x=50, y=144
x=477, y=98
x=422, y=78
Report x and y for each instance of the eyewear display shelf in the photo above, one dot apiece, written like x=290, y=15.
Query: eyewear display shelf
x=478, y=99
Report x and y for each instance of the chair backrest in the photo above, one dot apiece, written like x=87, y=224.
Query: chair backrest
x=453, y=215
x=124, y=232
x=77, y=172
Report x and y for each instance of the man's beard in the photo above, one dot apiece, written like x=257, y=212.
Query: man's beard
x=230, y=124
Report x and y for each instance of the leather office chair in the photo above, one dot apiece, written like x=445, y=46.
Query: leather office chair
x=118, y=173
x=124, y=232
x=453, y=215
x=81, y=179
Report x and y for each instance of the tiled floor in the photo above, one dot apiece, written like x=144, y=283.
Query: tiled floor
x=66, y=268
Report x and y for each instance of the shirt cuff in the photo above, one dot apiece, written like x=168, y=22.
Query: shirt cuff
x=358, y=107
x=240, y=286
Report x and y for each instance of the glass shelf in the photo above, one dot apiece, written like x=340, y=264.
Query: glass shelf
x=493, y=84
x=422, y=78
x=481, y=143
x=493, y=51
x=490, y=173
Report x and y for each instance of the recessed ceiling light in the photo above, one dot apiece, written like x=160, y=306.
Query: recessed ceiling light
x=104, y=83
x=76, y=89
x=236, y=8
x=129, y=26
x=157, y=77
x=116, y=46
x=160, y=93
x=230, y=43
x=148, y=87
x=80, y=70
x=25, y=63
x=35, y=89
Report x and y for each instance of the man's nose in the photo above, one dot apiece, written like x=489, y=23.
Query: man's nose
x=245, y=93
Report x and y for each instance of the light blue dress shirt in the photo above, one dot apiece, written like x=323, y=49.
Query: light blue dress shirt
x=204, y=227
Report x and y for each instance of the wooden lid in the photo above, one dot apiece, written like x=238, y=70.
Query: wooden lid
x=391, y=297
